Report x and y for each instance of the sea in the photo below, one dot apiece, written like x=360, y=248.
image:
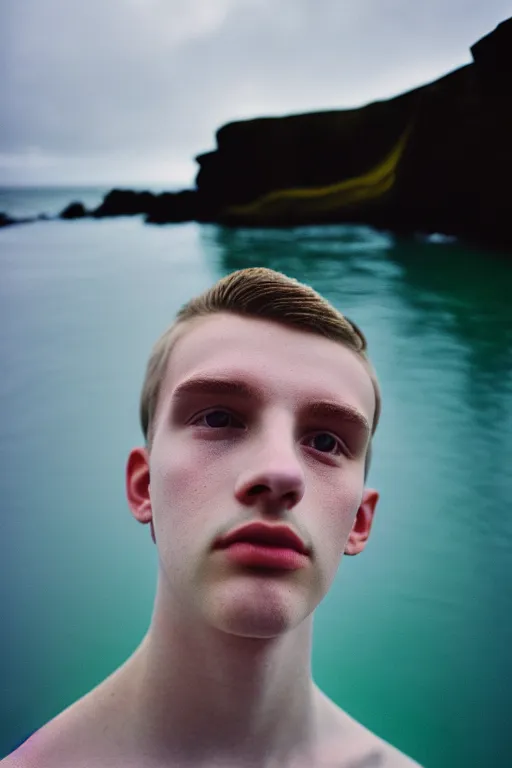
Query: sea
x=415, y=637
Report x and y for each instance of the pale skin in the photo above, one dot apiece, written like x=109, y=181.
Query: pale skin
x=222, y=678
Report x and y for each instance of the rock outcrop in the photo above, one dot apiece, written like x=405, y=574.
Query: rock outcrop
x=73, y=211
x=8, y=221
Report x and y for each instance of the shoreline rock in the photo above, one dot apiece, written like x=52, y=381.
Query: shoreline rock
x=9, y=221
x=73, y=211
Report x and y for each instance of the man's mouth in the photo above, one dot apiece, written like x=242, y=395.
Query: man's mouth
x=265, y=535
x=260, y=545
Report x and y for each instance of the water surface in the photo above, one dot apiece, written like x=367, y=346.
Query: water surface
x=414, y=639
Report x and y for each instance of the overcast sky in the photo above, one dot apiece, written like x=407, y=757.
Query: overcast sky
x=129, y=91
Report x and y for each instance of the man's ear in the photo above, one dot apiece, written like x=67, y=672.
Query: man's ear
x=137, y=487
x=360, y=532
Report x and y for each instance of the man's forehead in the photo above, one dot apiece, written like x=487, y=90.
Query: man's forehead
x=263, y=353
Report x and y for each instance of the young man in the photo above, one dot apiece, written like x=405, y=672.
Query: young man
x=258, y=409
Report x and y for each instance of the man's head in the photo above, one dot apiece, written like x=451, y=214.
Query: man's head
x=259, y=404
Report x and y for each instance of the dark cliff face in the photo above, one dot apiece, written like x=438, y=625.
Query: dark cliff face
x=311, y=150
x=451, y=175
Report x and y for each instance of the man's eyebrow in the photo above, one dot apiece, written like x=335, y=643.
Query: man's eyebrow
x=339, y=412
x=206, y=385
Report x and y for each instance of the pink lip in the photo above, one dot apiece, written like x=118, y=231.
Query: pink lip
x=263, y=535
x=262, y=556
x=259, y=545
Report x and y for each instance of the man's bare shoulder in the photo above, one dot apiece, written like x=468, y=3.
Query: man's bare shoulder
x=19, y=759
x=369, y=751
x=390, y=757
x=77, y=737
x=28, y=755
x=12, y=761
x=48, y=747
x=59, y=744
x=355, y=746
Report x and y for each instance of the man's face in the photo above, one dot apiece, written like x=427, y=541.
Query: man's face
x=220, y=459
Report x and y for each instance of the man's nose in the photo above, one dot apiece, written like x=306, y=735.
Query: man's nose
x=275, y=478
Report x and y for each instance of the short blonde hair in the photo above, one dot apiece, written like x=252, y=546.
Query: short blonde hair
x=259, y=293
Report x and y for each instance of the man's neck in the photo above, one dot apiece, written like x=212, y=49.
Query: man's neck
x=201, y=696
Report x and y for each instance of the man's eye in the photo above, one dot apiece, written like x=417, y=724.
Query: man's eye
x=326, y=443
x=217, y=420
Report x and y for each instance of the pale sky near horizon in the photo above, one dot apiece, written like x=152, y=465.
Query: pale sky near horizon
x=129, y=91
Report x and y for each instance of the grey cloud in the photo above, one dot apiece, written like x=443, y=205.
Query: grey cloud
x=135, y=78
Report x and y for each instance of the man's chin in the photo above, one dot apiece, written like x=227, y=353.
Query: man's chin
x=260, y=611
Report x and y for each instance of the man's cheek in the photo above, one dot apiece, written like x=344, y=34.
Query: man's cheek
x=181, y=497
x=338, y=528
x=174, y=478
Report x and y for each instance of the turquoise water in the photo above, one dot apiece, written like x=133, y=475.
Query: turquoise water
x=415, y=637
